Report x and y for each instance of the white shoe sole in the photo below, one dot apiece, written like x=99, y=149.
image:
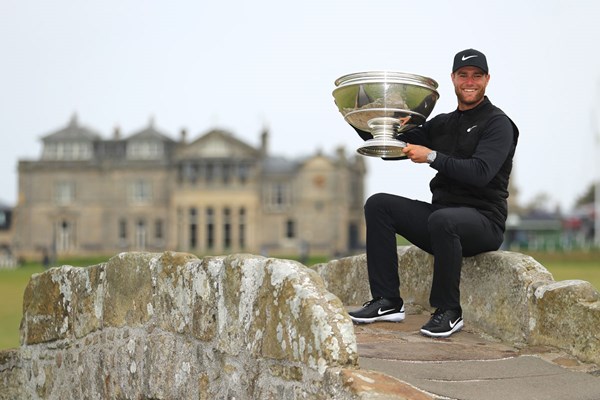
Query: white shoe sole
x=395, y=317
x=456, y=328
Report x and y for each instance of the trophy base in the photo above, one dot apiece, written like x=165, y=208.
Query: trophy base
x=382, y=147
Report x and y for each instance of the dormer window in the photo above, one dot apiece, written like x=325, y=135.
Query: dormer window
x=67, y=151
x=144, y=150
x=71, y=143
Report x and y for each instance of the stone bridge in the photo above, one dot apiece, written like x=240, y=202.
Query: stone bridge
x=173, y=326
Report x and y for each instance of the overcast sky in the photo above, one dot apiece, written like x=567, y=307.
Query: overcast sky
x=241, y=66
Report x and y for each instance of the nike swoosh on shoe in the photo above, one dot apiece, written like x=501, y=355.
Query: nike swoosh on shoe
x=452, y=324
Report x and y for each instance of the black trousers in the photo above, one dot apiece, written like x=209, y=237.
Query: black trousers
x=449, y=233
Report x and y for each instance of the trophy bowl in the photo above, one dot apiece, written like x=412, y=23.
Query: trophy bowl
x=384, y=105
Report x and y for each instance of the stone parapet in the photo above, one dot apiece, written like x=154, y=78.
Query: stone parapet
x=506, y=295
x=172, y=326
x=567, y=315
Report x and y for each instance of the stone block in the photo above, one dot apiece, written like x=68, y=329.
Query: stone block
x=279, y=309
x=496, y=292
x=415, y=268
x=185, y=301
x=47, y=306
x=174, y=326
x=88, y=289
x=567, y=316
x=11, y=374
x=347, y=278
x=128, y=290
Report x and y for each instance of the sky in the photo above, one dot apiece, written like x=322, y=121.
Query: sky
x=244, y=66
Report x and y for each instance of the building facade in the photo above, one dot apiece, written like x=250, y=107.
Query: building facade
x=87, y=195
x=6, y=228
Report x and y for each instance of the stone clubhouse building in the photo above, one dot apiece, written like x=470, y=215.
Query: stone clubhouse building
x=88, y=195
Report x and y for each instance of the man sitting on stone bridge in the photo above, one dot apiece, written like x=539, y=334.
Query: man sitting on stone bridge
x=472, y=150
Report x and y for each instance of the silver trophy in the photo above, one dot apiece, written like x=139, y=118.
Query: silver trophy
x=384, y=105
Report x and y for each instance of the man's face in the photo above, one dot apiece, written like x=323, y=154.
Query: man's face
x=469, y=86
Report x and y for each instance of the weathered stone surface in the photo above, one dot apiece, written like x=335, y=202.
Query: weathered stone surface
x=377, y=386
x=185, y=300
x=506, y=295
x=415, y=275
x=496, y=292
x=128, y=290
x=174, y=326
x=495, y=286
x=47, y=306
x=567, y=315
x=347, y=278
x=88, y=289
x=11, y=374
x=171, y=325
x=61, y=303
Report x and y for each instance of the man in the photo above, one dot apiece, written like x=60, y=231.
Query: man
x=471, y=149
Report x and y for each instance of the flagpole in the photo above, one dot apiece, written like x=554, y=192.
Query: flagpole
x=597, y=194
x=596, y=132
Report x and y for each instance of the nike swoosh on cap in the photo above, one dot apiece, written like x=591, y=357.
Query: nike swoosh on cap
x=464, y=58
x=471, y=128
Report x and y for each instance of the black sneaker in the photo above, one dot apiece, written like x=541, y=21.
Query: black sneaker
x=379, y=309
x=443, y=323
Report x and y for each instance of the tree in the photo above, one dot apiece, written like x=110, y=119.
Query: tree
x=588, y=197
x=540, y=202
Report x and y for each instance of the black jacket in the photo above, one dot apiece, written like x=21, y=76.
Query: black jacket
x=475, y=149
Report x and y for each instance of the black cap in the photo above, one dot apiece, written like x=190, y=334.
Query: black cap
x=470, y=57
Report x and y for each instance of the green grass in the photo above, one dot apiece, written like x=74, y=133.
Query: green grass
x=583, y=265
x=563, y=266
x=12, y=286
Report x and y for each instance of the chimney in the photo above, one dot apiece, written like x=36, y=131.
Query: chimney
x=74, y=120
x=183, y=136
x=341, y=153
x=264, y=142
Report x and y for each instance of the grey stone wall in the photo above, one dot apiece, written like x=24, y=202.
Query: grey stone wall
x=507, y=295
x=171, y=326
